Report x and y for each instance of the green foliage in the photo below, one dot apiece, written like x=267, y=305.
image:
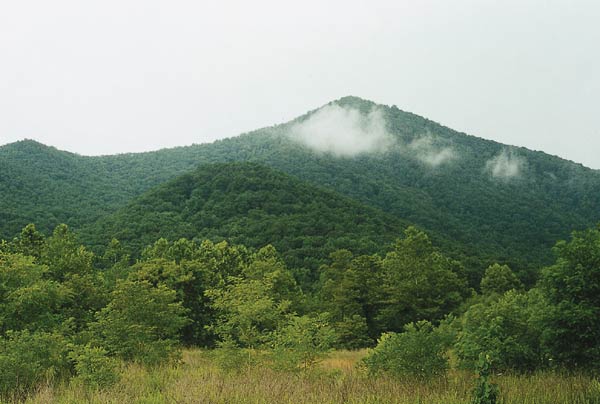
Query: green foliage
x=419, y=352
x=505, y=330
x=29, y=358
x=251, y=205
x=419, y=282
x=231, y=358
x=485, y=392
x=248, y=313
x=140, y=323
x=350, y=293
x=499, y=279
x=93, y=367
x=30, y=301
x=65, y=256
x=302, y=342
x=571, y=323
x=30, y=242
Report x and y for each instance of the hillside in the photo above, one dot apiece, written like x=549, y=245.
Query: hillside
x=501, y=203
x=253, y=205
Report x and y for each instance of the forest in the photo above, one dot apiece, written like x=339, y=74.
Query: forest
x=73, y=318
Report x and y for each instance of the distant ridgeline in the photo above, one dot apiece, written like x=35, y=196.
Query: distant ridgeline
x=356, y=174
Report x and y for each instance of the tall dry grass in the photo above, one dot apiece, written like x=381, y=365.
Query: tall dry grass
x=337, y=380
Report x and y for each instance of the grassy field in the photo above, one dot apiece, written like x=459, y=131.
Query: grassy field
x=197, y=379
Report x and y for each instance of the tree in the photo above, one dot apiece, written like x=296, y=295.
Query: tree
x=254, y=304
x=505, y=329
x=30, y=242
x=30, y=301
x=572, y=286
x=420, y=351
x=65, y=256
x=302, y=341
x=419, y=283
x=141, y=323
x=499, y=279
x=350, y=293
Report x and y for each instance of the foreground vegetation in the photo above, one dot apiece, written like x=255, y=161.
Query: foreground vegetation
x=73, y=323
x=199, y=378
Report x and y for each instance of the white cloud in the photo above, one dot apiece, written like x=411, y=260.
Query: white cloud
x=424, y=149
x=343, y=131
x=506, y=165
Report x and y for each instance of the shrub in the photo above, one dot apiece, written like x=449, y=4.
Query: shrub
x=505, y=330
x=420, y=352
x=302, y=342
x=485, y=392
x=141, y=323
x=93, y=367
x=499, y=279
x=231, y=358
x=27, y=359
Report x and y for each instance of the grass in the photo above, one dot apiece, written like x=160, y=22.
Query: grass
x=198, y=379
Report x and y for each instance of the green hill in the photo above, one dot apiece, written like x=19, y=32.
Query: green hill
x=498, y=202
x=249, y=204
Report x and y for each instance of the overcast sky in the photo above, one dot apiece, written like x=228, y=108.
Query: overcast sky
x=99, y=77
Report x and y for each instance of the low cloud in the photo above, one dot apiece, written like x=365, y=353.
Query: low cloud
x=343, y=131
x=506, y=165
x=425, y=150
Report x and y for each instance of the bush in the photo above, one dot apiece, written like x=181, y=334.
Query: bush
x=27, y=359
x=141, y=323
x=93, y=367
x=504, y=329
x=485, y=392
x=499, y=279
x=302, y=342
x=231, y=358
x=420, y=352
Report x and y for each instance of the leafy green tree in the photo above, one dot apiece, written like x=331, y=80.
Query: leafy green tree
x=350, y=293
x=30, y=358
x=419, y=283
x=247, y=313
x=572, y=286
x=505, y=329
x=254, y=304
x=30, y=242
x=140, y=323
x=65, y=256
x=499, y=279
x=485, y=392
x=420, y=352
x=93, y=367
x=302, y=341
x=30, y=301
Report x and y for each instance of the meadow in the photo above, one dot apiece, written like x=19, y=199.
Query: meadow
x=198, y=378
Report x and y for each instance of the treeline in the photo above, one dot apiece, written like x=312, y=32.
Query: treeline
x=70, y=314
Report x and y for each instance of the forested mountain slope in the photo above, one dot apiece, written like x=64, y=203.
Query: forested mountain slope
x=253, y=205
x=501, y=203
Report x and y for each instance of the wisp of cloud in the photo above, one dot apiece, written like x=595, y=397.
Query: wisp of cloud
x=424, y=149
x=343, y=131
x=505, y=165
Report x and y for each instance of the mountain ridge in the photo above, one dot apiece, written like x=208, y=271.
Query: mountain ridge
x=502, y=203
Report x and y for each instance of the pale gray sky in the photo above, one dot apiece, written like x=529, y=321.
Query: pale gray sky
x=98, y=77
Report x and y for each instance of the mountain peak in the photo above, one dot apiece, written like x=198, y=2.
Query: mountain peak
x=27, y=145
x=355, y=102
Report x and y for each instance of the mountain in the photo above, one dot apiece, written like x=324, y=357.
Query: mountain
x=500, y=203
x=253, y=205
